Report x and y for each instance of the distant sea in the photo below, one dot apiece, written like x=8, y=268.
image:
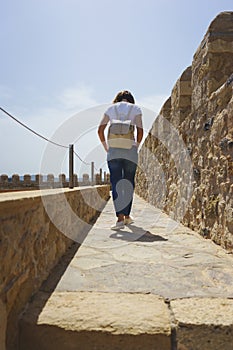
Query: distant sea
x=33, y=178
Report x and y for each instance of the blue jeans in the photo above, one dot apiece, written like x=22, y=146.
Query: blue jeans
x=122, y=165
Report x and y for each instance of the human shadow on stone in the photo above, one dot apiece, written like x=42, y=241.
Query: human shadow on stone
x=150, y=237
x=137, y=234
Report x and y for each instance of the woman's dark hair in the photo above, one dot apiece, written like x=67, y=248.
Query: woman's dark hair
x=124, y=95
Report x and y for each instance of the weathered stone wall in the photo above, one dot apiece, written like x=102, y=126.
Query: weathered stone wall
x=186, y=162
x=31, y=245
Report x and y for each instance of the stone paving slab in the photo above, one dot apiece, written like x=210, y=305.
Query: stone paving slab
x=155, y=263
x=88, y=321
x=154, y=255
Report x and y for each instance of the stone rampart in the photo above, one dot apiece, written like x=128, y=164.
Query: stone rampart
x=31, y=244
x=29, y=182
x=186, y=162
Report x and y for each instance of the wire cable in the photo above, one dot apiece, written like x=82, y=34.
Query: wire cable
x=81, y=159
x=33, y=131
x=41, y=136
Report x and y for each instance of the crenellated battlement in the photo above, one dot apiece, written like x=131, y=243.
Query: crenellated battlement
x=39, y=181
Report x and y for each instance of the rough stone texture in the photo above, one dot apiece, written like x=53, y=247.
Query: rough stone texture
x=88, y=321
x=31, y=245
x=203, y=324
x=3, y=325
x=186, y=162
x=119, y=288
x=212, y=62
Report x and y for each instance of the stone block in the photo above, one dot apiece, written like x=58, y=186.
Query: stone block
x=94, y=320
x=15, y=179
x=4, y=178
x=213, y=60
x=39, y=179
x=27, y=179
x=75, y=179
x=62, y=179
x=50, y=178
x=86, y=180
x=203, y=323
x=185, y=88
x=166, y=108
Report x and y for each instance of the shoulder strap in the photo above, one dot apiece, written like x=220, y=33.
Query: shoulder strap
x=128, y=114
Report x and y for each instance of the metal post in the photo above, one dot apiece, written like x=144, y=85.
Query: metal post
x=101, y=171
x=71, y=166
x=92, y=173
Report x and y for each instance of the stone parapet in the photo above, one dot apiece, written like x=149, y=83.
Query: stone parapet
x=212, y=62
x=181, y=98
x=31, y=243
x=39, y=181
x=186, y=161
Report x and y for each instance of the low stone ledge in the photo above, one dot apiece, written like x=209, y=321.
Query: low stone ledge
x=95, y=320
x=31, y=244
x=203, y=323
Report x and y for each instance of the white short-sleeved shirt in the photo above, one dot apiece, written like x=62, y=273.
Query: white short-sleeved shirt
x=123, y=109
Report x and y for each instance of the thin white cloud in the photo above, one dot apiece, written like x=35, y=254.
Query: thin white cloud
x=77, y=98
x=153, y=102
x=46, y=119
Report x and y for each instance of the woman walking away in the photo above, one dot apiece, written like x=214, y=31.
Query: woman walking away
x=125, y=120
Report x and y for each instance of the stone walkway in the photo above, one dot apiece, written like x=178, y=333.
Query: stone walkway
x=155, y=285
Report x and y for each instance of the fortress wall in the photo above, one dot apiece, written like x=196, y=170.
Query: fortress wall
x=29, y=182
x=186, y=162
x=31, y=245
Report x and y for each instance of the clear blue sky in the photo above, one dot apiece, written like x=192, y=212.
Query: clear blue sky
x=59, y=57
